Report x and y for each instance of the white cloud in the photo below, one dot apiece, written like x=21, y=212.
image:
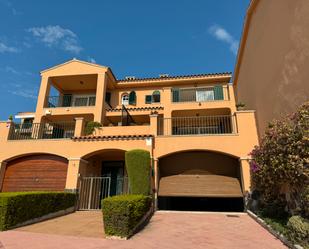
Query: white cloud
x=223, y=35
x=91, y=60
x=23, y=93
x=56, y=36
x=10, y=70
x=5, y=48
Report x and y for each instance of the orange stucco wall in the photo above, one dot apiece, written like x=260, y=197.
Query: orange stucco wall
x=272, y=70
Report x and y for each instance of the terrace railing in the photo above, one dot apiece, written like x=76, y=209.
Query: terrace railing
x=30, y=131
x=202, y=125
x=70, y=100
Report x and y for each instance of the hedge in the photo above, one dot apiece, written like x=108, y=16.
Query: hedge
x=138, y=168
x=122, y=213
x=18, y=207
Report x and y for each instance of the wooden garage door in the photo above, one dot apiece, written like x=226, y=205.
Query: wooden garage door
x=37, y=172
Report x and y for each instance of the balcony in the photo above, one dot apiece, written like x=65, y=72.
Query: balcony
x=200, y=94
x=203, y=125
x=31, y=131
x=70, y=101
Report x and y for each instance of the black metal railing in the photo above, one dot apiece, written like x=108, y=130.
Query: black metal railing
x=126, y=118
x=69, y=100
x=202, y=125
x=30, y=131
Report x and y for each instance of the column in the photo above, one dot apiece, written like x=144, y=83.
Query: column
x=79, y=127
x=154, y=124
x=43, y=94
x=156, y=181
x=5, y=129
x=100, y=98
x=74, y=167
x=245, y=173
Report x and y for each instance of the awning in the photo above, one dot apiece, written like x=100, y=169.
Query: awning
x=199, y=186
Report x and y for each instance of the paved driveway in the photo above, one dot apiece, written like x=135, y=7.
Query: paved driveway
x=165, y=230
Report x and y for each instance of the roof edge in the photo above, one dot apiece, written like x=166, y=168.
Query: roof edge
x=73, y=60
x=244, y=36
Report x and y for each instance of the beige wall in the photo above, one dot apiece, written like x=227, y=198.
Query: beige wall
x=273, y=64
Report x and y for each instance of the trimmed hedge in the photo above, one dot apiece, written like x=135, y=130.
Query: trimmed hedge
x=121, y=213
x=18, y=207
x=298, y=230
x=138, y=168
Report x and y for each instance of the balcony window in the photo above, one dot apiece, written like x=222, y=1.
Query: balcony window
x=204, y=95
x=83, y=100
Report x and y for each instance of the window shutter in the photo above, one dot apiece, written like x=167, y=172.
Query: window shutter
x=218, y=93
x=148, y=99
x=108, y=97
x=175, y=92
x=132, y=98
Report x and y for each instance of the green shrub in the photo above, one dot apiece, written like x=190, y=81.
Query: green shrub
x=121, y=213
x=90, y=126
x=298, y=230
x=18, y=207
x=138, y=168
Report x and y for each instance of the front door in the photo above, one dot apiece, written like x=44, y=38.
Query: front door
x=114, y=170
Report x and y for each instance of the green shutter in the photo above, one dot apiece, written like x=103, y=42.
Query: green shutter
x=218, y=93
x=148, y=99
x=175, y=92
x=108, y=97
x=132, y=98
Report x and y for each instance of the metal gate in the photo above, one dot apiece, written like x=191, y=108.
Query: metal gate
x=92, y=190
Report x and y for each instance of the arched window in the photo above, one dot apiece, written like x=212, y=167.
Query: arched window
x=132, y=98
x=156, y=97
x=125, y=99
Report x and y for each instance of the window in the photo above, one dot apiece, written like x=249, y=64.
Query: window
x=156, y=97
x=132, y=98
x=125, y=99
x=148, y=99
x=204, y=95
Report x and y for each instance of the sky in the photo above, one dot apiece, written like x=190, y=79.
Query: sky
x=134, y=38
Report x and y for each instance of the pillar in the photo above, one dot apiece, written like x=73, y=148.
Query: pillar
x=154, y=124
x=74, y=168
x=43, y=94
x=79, y=127
x=100, y=98
x=245, y=174
x=156, y=182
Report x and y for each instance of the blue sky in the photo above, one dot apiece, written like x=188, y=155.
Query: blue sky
x=137, y=37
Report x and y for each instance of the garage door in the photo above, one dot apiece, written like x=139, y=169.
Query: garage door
x=37, y=172
x=199, y=186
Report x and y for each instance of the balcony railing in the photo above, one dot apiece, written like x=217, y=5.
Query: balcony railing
x=203, y=125
x=70, y=100
x=30, y=131
x=200, y=94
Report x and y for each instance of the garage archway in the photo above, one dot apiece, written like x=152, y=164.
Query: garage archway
x=200, y=180
x=35, y=172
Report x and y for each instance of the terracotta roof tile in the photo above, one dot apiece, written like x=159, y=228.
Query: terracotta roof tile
x=146, y=108
x=177, y=77
x=112, y=137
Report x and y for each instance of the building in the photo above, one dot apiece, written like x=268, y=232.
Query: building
x=271, y=73
x=198, y=141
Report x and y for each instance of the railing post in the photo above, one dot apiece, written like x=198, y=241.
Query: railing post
x=154, y=124
x=79, y=127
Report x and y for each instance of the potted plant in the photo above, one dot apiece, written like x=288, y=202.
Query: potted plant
x=10, y=118
x=240, y=106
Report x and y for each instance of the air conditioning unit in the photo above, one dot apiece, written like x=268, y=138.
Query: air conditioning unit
x=163, y=75
x=130, y=78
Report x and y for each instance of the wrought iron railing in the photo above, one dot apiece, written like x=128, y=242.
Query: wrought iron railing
x=200, y=94
x=202, y=125
x=30, y=131
x=70, y=100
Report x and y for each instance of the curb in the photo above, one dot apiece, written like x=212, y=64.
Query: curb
x=279, y=236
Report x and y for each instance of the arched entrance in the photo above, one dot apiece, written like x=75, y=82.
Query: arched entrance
x=200, y=180
x=35, y=172
x=102, y=175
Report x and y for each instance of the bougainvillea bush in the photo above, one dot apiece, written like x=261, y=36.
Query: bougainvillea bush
x=280, y=165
